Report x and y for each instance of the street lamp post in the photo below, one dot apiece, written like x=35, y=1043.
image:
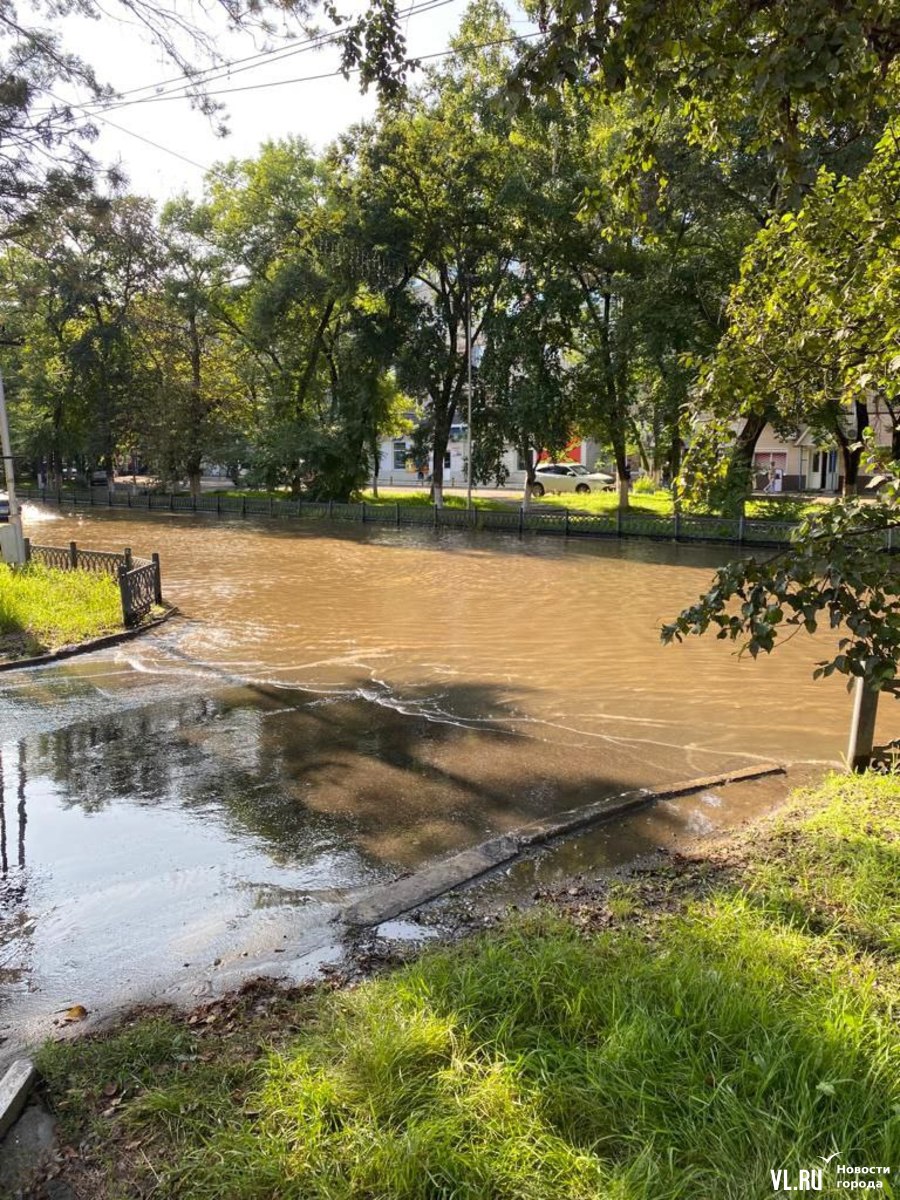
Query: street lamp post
x=14, y=545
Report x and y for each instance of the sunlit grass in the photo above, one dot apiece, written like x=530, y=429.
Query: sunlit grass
x=681, y=1054
x=42, y=609
x=422, y=499
x=603, y=502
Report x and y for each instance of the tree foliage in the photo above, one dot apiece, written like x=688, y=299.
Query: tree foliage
x=839, y=573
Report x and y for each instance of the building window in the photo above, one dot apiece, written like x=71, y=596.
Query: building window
x=400, y=456
x=815, y=462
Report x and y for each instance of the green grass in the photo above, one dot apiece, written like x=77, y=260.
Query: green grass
x=741, y=1024
x=602, y=502
x=42, y=609
x=422, y=499
x=782, y=509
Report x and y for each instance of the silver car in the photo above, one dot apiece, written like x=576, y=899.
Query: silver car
x=569, y=477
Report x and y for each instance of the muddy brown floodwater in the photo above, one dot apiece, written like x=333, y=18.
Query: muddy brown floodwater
x=340, y=704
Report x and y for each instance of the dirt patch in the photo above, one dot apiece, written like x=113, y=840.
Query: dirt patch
x=18, y=645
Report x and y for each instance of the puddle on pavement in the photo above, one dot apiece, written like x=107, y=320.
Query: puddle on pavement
x=337, y=707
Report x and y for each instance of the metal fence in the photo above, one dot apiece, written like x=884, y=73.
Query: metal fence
x=139, y=579
x=562, y=522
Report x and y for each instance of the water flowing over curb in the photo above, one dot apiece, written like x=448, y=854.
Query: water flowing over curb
x=100, y=643
x=389, y=900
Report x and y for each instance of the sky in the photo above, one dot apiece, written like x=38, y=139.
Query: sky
x=316, y=109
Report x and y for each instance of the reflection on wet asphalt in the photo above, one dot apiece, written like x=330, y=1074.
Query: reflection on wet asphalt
x=337, y=707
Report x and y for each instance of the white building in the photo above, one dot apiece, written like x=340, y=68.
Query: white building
x=397, y=466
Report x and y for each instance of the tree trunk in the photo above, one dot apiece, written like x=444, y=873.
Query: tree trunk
x=194, y=474
x=740, y=466
x=195, y=452
x=437, y=476
x=376, y=464
x=622, y=471
x=439, y=450
x=851, y=452
x=529, y=459
x=645, y=461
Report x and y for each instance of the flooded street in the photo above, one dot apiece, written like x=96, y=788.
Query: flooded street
x=338, y=705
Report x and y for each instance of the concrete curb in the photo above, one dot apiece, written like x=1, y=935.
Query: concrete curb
x=15, y=1087
x=101, y=643
x=389, y=900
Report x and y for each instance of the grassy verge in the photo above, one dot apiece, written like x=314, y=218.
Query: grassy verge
x=42, y=609
x=682, y=1036
x=788, y=508
x=422, y=499
x=660, y=503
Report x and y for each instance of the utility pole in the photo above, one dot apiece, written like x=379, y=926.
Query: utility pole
x=13, y=543
x=469, y=389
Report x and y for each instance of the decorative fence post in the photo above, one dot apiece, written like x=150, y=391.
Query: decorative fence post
x=218, y=504
x=567, y=522
x=521, y=520
x=618, y=522
x=677, y=526
x=27, y=550
x=740, y=529
x=157, y=579
x=73, y=555
x=397, y=514
x=243, y=506
x=171, y=501
x=363, y=506
x=128, y=559
x=123, y=595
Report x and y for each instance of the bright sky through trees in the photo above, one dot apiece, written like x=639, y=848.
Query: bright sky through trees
x=317, y=110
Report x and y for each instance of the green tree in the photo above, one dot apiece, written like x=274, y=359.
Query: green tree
x=74, y=286
x=431, y=183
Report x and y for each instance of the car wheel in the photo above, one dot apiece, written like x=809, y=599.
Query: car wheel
x=582, y=489
x=537, y=490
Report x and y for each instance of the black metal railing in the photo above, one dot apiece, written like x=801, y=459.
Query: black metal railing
x=563, y=522
x=139, y=579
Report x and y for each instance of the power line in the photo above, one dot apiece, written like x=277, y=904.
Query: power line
x=277, y=83
x=254, y=87
x=255, y=61
x=140, y=137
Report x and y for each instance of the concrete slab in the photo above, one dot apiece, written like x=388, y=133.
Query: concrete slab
x=28, y=1145
x=390, y=899
x=15, y=1087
